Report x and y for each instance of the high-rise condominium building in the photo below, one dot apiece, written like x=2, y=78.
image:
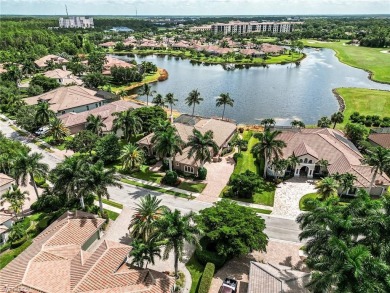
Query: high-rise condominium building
x=76, y=22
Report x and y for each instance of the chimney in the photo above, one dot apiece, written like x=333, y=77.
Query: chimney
x=70, y=215
x=64, y=67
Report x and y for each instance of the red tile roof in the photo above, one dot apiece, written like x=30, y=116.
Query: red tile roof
x=381, y=139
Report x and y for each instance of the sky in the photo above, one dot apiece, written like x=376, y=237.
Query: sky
x=194, y=7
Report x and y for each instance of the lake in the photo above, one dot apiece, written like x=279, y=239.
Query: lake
x=282, y=92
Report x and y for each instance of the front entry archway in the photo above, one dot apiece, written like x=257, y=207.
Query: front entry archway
x=304, y=171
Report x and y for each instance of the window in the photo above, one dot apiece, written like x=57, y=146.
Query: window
x=310, y=161
x=300, y=160
x=305, y=160
x=188, y=169
x=87, y=107
x=177, y=164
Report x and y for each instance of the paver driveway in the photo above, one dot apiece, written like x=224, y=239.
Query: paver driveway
x=288, y=194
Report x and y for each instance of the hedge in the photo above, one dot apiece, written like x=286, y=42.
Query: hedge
x=205, y=256
x=207, y=277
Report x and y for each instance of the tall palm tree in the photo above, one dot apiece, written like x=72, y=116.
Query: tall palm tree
x=240, y=144
x=146, y=90
x=16, y=198
x=167, y=144
x=128, y=123
x=174, y=230
x=57, y=130
x=144, y=252
x=30, y=165
x=347, y=181
x=28, y=67
x=268, y=147
x=337, y=118
x=201, y=146
x=297, y=124
x=170, y=100
x=131, y=157
x=379, y=160
x=193, y=99
x=43, y=113
x=223, y=100
x=98, y=179
x=95, y=124
x=327, y=187
x=147, y=212
x=268, y=122
x=159, y=101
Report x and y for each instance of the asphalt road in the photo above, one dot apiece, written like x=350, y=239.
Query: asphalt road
x=276, y=227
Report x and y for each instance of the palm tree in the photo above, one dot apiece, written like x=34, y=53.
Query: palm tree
x=379, y=159
x=167, y=144
x=95, y=124
x=293, y=161
x=327, y=187
x=346, y=182
x=16, y=198
x=129, y=123
x=193, y=99
x=324, y=122
x=30, y=165
x=297, y=124
x=28, y=67
x=170, y=100
x=131, y=157
x=337, y=118
x=98, y=179
x=173, y=230
x=200, y=146
x=57, y=130
x=223, y=100
x=142, y=225
x=240, y=144
x=146, y=90
x=43, y=113
x=159, y=101
x=268, y=147
x=144, y=251
x=268, y=122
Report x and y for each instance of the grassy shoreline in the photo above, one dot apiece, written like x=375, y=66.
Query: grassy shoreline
x=364, y=101
x=371, y=60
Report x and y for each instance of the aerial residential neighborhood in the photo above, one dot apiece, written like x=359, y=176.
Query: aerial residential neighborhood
x=211, y=147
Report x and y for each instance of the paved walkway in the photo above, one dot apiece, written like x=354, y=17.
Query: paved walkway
x=288, y=194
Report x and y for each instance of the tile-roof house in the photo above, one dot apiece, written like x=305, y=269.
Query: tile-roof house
x=68, y=99
x=270, y=278
x=311, y=146
x=380, y=139
x=112, y=61
x=68, y=257
x=63, y=76
x=42, y=62
x=223, y=131
x=76, y=122
x=6, y=222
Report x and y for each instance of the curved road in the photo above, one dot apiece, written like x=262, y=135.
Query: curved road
x=276, y=227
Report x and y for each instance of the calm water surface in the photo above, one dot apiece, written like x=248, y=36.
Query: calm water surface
x=283, y=92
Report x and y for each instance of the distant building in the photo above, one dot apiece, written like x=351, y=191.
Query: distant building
x=122, y=29
x=76, y=22
x=43, y=62
x=240, y=27
x=63, y=76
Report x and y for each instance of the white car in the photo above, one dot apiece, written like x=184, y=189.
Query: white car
x=42, y=131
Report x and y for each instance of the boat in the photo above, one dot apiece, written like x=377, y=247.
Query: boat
x=228, y=286
x=230, y=66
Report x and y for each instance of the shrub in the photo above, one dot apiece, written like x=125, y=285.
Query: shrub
x=40, y=181
x=244, y=185
x=170, y=178
x=236, y=156
x=207, y=277
x=181, y=280
x=47, y=203
x=205, y=255
x=19, y=242
x=202, y=173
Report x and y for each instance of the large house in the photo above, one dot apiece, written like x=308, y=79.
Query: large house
x=68, y=99
x=111, y=62
x=63, y=77
x=314, y=146
x=76, y=122
x=271, y=278
x=6, y=222
x=70, y=256
x=380, y=137
x=223, y=132
x=42, y=62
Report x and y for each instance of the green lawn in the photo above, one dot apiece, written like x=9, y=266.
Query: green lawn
x=261, y=211
x=9, y=255
x=111, y=215
x=247, y=161
x=147, y=79
x=196, y=271
x=370, y=59
x=192, y=187
x=302, y=206
x=111, y=203
x=365, y=101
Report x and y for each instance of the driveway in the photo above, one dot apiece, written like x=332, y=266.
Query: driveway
x=218, y=175
x=288, y=194
x=278, y=252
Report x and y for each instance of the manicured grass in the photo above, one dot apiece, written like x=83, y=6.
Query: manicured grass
x=196, y=271
x=154, y=188
x=302, y=206
x=111, y=203
x=261, y=211
x=192, y=187
x=365, y=101
x=247, y=161
x=147, y=79
x=370, y=59
x=264, y=195
x=145, y=174
x=111, y=215
x=10, y=255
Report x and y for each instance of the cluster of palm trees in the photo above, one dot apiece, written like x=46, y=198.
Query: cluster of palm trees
x=194, y=98
x=329, y=186
x=154, y=226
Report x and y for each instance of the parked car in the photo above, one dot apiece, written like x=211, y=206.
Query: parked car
x=42, y=131
x=229, y=286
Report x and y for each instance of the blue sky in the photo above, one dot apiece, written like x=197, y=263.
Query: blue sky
x=194, y=7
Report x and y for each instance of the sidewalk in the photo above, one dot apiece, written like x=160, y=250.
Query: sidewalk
x=108, y=207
